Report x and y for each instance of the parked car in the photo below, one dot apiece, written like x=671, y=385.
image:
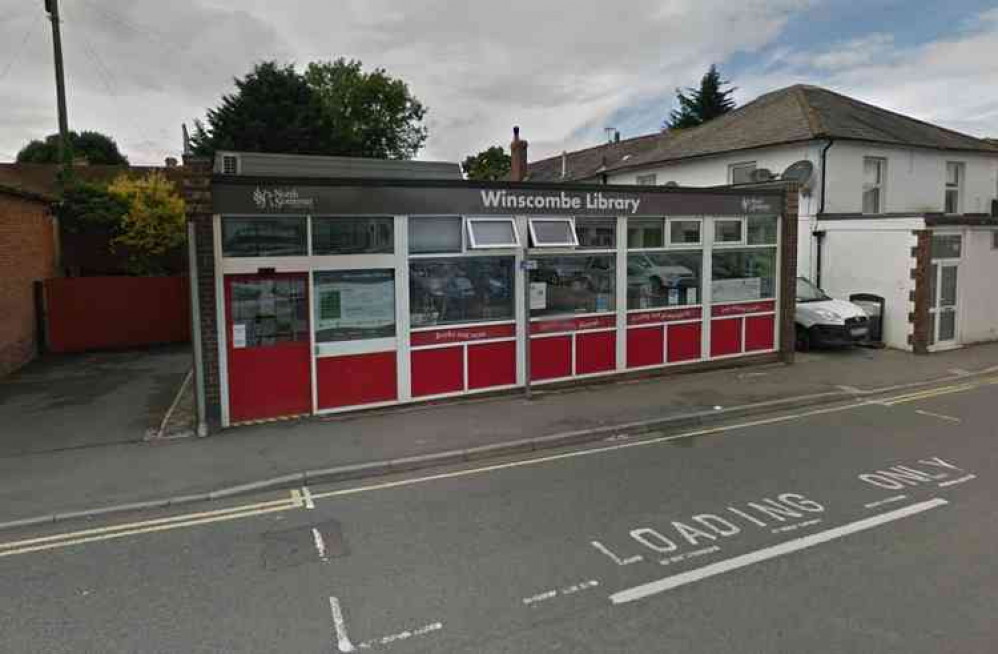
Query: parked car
x=824, y=321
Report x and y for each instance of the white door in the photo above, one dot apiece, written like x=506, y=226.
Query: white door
x=943, y=279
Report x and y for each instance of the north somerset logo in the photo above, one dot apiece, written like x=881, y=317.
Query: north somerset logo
x=281, y=199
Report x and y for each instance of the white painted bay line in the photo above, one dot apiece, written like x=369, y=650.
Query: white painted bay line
x=320, y=544
x=340, y=627
x=307, y=497
x=698, y=574
x=886, y=500
x=954, y=482
x=402, y=635
x=937, y=415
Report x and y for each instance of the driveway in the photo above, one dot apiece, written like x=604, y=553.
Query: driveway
x=83, y=400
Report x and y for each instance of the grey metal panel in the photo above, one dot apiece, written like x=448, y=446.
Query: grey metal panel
x=294, y=165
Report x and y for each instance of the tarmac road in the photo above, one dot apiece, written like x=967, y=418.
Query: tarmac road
x=865, y=529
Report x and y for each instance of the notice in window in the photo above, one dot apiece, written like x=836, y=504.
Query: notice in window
x=538, y=295
x=238, y=336
x=736, y=290
x=355, y=301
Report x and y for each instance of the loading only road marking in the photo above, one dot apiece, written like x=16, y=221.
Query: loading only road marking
x=343, y=643
x=954, y=482
x=560, y=592
x=692, y=576
x=320, y=544
x=937, y=415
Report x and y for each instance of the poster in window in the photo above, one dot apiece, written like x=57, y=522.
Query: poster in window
x=238, y=336
x=360, y=300
x=736, y=290
x=538, y=295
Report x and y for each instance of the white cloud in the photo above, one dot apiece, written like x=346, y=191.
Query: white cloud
x=138, y=69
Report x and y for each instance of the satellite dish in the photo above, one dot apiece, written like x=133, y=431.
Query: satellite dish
x=762, y=175
x=801, y=172
x=672, y=184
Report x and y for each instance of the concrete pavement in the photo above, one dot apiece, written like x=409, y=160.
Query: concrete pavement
x=842, y=529
x=68, y=481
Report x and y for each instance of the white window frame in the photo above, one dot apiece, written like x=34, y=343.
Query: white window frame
x=881, y=186
x=470, y=223
x=648, y=179
x=958, y=187
x=574, y=243
x=741, y=164
x=744, y=232
x=235, y=159
x=681, y=245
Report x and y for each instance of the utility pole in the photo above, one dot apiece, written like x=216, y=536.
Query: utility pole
x=65, y=152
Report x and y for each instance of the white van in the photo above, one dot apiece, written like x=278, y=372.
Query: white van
x=822, y=320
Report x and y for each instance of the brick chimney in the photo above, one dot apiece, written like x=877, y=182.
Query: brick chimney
x=518, y=156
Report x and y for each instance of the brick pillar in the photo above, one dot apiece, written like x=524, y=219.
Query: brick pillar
x=197, y=197
x=788, y=272
x=920, y=319
x=518, y=157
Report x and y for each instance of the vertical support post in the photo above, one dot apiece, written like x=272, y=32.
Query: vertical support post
x=65, y=152
x=192, y=282
x=526, y=323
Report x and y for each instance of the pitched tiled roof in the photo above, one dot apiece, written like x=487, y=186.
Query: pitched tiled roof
x=590, y=162
x=793, y=114
x=42, y=179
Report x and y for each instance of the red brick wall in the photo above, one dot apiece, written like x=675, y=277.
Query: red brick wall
x=27, y=254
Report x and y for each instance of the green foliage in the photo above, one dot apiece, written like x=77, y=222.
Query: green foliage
x=90, y=208
x=697, y=106
x=154, y=223
x=97, y=148
x=334, y=108
x=490, y=164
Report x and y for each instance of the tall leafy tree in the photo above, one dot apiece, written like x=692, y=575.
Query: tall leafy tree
x=97, y=148
x=699, y=105
x=153, y=224
x=490, y=164
x=333, y=108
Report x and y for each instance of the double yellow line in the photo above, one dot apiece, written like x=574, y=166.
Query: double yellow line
x=932, y=392
x=147, y=526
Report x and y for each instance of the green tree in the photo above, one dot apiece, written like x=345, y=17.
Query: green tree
x=154, y=224
x=490, y=164
x=97, y=148
x=697, y=106
x=90, y=208
x=334, y=108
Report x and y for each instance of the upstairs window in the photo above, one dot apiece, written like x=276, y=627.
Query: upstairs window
x=874, y=173
x=954, y=185
x=741, y=173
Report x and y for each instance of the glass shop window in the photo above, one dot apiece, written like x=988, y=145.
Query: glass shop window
x=663, y=279
x=450, y=291
x=572, y=284
x=743, y=275
x=268, y=312
x=264, y=237
x=645, y=233
x=353, y=305
x=762, y=230
x=729, y=230
x=353, y=235
x=492, y=233
x=552, y=233
x=435, y=235
x=684, y=232
x=596, y=233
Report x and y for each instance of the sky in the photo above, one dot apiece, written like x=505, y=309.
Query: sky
x=563, y=70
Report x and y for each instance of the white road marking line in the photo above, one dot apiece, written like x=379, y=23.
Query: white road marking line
x=556, y=592
x=339, y=626
x=886, y=500
x=306, y=495
x=937, y=415
x=954, y=482
x=320, y=544
x=403, y=635
x=698, y=574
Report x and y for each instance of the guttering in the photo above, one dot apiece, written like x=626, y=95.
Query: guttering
x=824, y=161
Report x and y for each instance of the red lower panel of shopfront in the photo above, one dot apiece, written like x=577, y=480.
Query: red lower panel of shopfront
x=595, y=353
x=356, y=379
x=725, y=337
x=269, y=382
x=645, y=347
x=550, y=358
x=760, y=333
x=684, y=342
x=491, y=364
x=437, y=371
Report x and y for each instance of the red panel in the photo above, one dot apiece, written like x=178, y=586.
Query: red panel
x=355, y=379
x=596, y=352
x=725, y=337
x=645, y=347
x=760, y=333
x=268, y=382
x=684, y=342
x=437, y=371
x=461, y=334
x=691, y=313
x=491, y=364
x=743, y=308
x=97, y=313
x=550, y=358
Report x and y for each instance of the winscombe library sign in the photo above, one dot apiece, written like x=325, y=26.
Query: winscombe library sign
x=253, y=197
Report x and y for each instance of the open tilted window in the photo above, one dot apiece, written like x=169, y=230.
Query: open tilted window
x=492, y=233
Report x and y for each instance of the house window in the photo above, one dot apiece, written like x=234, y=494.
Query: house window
x=230, y=164
x=647, y=180
x=553, y=233
x=741, y=173
x=492, y=233
x=954, y=184
x=874, y=172
x=946, y=246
